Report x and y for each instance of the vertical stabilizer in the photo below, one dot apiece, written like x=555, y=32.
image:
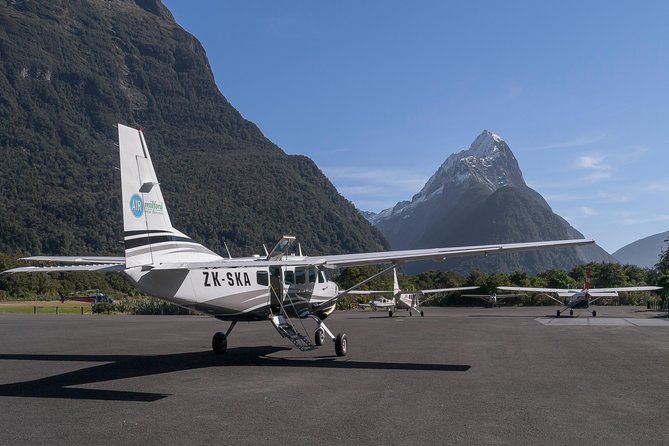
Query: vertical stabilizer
x=148, y=233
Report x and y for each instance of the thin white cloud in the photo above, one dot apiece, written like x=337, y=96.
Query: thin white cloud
x=641, y=220
x=382, y=179
x=588, y=211
x=376, y=189
x=657, y=187
x=579, y=141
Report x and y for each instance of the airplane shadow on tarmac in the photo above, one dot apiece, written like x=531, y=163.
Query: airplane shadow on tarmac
x=119, y=367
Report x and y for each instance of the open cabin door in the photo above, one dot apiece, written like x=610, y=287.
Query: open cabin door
x=276, y=287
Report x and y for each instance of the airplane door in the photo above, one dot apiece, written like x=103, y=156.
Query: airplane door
x=276, y=286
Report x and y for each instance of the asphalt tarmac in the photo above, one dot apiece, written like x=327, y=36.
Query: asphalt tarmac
x=512, y=375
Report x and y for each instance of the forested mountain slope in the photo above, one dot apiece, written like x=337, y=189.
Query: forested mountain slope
x=94, y=63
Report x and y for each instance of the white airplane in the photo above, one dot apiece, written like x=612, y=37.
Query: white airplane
x=166, y=263
x=494, y=299
x=403, y=301
x=580, y=298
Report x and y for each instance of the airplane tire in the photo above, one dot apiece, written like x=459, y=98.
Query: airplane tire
x=319, y=336
x=410, y=313
x=341, y=344
x=558, y=313
x=390, y=313
x=571, y=312
x=421, y=313
x=594, y=313
x=219, y=343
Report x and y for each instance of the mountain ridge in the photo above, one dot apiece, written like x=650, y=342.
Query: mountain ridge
x=644, y=252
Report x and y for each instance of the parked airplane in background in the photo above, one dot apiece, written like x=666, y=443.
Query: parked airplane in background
x=91, y=296
x=403, y=300
x=494, y=299
x=580, y=298
x=168, y=264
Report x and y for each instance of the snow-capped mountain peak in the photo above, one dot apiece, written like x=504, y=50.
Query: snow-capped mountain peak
x=488, y=161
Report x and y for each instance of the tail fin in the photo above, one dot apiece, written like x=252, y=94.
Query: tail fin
x=148, y=233
x=396, y=283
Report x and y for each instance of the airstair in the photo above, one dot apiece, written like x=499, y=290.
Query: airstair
x=287, y=330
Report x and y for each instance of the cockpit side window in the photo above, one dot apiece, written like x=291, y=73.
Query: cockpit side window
x=290, y=277
x=312, y=275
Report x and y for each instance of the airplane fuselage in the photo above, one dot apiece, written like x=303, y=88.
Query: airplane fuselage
x=406, y=301
x=240, y=293
x=578, y=300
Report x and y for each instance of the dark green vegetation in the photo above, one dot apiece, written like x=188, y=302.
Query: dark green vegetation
x=94, y=63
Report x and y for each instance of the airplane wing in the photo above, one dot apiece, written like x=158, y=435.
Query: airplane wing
x=374, y=258
x=438, y=290
x=596, y=291
x=537, y=290
x=446, y=290
x=330, y=261
x=368, y=292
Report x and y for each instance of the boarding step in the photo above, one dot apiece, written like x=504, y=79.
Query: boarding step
x=287, y=330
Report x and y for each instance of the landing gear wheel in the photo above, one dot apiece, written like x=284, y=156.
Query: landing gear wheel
x=390, y=313
x=319, y=336
x=558, y=313
x=571, y=312
x=594, y=313
x=219, y=343
x=421, y=313
x=341, y=344
x=410, y=313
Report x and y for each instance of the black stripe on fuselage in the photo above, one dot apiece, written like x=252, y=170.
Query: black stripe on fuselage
x=152, y=240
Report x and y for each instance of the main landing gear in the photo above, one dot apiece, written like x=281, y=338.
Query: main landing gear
x=340, y=341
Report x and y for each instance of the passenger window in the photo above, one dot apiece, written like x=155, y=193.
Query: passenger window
x=290, y=277
x=300, y=275
x=262, y=277
x=312, y=275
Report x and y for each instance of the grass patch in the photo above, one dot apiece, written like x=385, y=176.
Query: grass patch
x=44, y=307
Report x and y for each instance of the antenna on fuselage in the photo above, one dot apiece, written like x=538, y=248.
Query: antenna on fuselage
x=226, y=248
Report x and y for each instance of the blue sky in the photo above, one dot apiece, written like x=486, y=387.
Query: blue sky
x=380, y=93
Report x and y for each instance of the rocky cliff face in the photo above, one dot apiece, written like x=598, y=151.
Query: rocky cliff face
x=479, y=196
x=94, y=63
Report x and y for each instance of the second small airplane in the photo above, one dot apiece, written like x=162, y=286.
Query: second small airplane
x=403, y=300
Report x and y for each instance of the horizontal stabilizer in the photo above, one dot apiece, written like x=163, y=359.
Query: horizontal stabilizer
x=67, y=268
x=77, y=259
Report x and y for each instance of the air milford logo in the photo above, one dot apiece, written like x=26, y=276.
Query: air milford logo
x=138, y=207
